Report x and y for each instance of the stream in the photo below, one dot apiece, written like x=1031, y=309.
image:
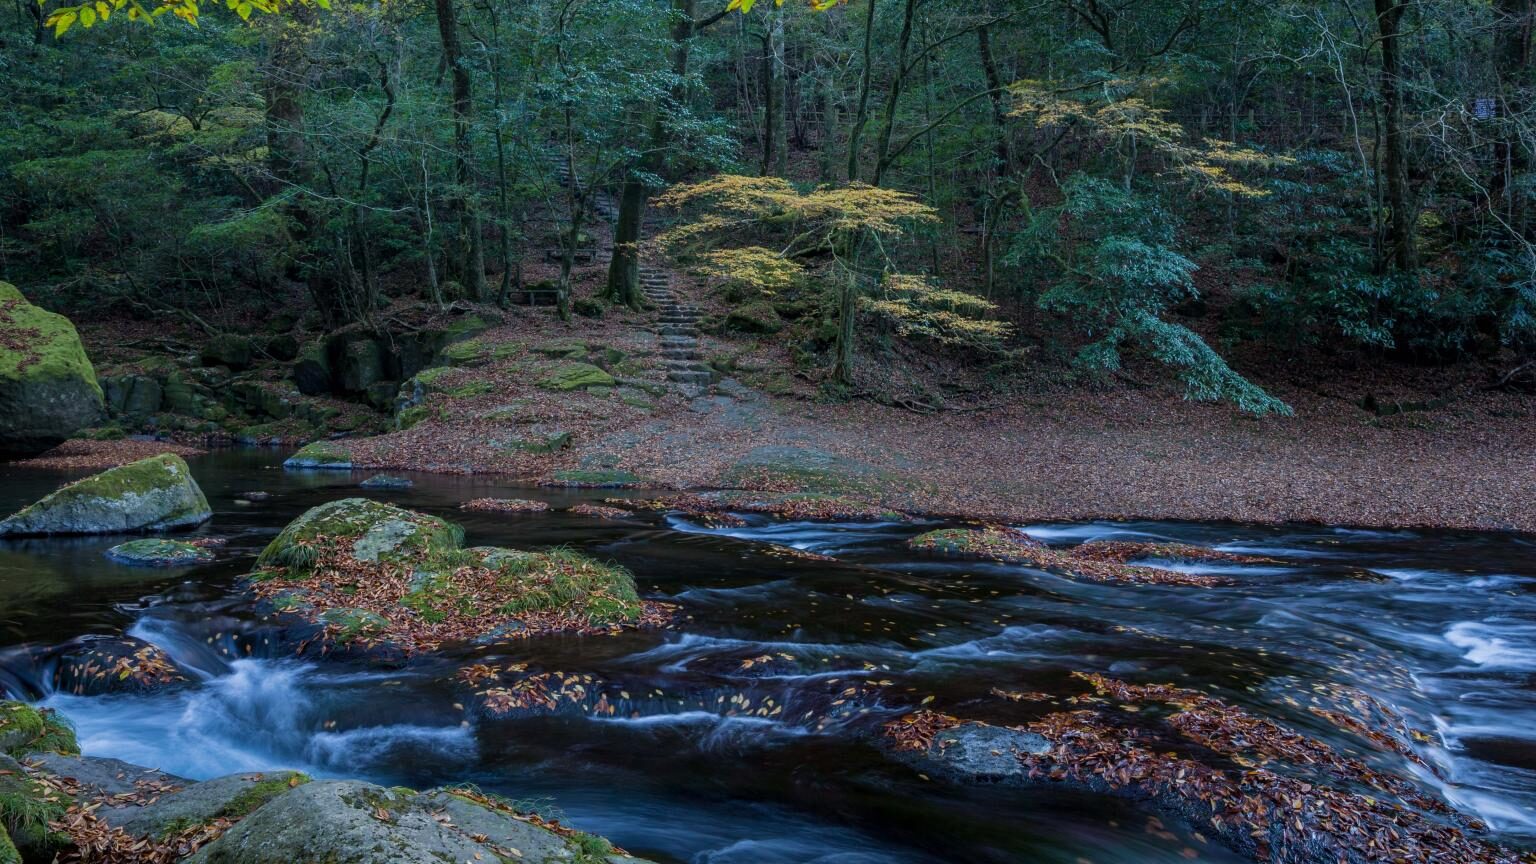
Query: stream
x=1438, y=626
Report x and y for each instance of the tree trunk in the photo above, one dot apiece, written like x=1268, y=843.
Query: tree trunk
x=1512, y=62
x=779, y=88
x=861, y=114
x=1004, y=155
x=467, y=261
x=283, y=81
x=1399, y=198
x=624, y=267
x=829, y=98
x=883, y=146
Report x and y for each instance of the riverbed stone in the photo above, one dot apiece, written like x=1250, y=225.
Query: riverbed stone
x=48, y=388
x=979, y=751
x=154, y=494
x=321, y=454
x=100, y=776
x=26, y=729
x=158, y=552
x=386, y=481
x=383, y=532
x=349, y=822
x=233, y=797
x=98, y=665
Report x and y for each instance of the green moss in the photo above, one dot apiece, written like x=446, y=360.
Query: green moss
x=431, y=379
x=349, y=624
x=371, y=531
x=576, y=376
x=159, y=552
x=25, y=729
x=165, y=471
x=411, y=416
x=26, y=808
x=260, y=792
x=755, y=317
x=470, y=352
x=589, y=848
x=321, y=454
x=472, y=388
x=53, y=353
x=569, y=348
x=8, y=853
x=570, y=581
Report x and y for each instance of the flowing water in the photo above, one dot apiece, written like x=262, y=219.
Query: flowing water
x=1438, y=627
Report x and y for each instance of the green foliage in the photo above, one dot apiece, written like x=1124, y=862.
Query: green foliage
x=1108, y=259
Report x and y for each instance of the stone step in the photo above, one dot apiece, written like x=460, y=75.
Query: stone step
x=683, y=377
x=679, y=342
x=679, y=354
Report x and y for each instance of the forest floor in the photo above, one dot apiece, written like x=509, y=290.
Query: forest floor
x=1068, y=453
x=1464, y=459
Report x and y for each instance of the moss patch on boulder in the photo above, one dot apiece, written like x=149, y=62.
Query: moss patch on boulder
x=25, y=729
x=321, y=454
x=576, y=376
x=154, y=494
x=157, y=552
x=48, y=389
x=376, y=574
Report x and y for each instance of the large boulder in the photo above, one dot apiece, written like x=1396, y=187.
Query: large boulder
x=349, y=822
x=228, y=349
x=154, y=494
x=378, y=575
x=48, y=390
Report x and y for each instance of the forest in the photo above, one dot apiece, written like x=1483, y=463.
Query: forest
x=767, y=431
x=1209, y=187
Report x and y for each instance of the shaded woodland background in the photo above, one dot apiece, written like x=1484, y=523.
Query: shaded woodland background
x=1220, y=188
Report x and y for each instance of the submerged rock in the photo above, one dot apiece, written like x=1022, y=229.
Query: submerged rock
x=48, y=389
x=321, y=454
x=978, y=751
x=94, y=665
x=157, y=552
x=386, y=481
x=154, y=494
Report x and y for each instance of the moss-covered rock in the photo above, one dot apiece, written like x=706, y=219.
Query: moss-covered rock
x=386, y=481
x=228, y=349
x=312, y=370
x=576, y=376
x=372, y=530
x=158, y=552
x=350, y=822
x=154, y=494
x=758, y=317
x=25, y=729
x=470, y=352
x=26, y=809
x=48, y=389
x=321, y=454
x=991, y=543
x=569, y=348
x=375, y=573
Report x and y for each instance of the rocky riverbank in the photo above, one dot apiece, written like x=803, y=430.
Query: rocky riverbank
x=57, y=805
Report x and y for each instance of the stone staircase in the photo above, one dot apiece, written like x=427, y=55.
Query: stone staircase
x=602, y=203
x=677, y=331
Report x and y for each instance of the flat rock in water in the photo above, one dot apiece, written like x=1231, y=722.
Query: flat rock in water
x=102, y=776
x=321, y=454
x=386, y=481
x=349, y=822
x=156, y=552
x=978, y=751
x=154, y=494
x=232, y=797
